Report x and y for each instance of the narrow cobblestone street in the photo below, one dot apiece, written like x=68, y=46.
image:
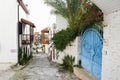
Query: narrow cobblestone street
x=41, y=69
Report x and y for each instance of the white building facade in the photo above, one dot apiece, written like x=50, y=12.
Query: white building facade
x=111, y=47
x=11, y=14
x=73, y=50
x=111, y=39
x=8, y=33
x=26, y=28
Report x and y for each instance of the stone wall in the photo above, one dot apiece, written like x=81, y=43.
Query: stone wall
x=111, y=47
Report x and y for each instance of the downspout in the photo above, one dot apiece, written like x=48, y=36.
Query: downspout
x=18, y=26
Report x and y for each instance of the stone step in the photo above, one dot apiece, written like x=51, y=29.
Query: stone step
x=82, y=74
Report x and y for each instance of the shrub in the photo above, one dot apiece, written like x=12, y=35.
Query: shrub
x=20, y=61
x=64, y=37
x=68, y=63
x=23, y=58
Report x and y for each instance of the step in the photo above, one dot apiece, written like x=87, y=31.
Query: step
x=82, y=74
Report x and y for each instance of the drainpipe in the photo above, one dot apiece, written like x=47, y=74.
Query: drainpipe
x=18, y=26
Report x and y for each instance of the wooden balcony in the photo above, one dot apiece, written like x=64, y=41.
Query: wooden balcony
x=27, y=39
x=25, y=42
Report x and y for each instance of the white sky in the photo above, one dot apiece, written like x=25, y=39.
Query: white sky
x=40, y=14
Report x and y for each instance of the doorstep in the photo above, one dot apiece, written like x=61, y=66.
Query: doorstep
x=83, y=74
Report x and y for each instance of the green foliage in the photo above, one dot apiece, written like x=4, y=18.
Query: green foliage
x=69, y=9
x=20, y=56
x=68, y=63
x=91, y=15
x=80, y=14
x=64, y=37
x=23, y=58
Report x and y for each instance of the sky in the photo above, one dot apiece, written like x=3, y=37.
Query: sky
x=40, y=14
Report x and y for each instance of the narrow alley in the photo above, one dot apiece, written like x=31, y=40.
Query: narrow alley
x=40, y=68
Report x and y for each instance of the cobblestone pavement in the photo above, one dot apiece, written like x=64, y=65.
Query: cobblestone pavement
x=41, y=69
x=5, y=75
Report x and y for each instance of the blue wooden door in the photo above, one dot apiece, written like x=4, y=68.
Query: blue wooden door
x=91, y=52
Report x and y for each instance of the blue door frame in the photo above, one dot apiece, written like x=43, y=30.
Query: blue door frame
x=91, y=52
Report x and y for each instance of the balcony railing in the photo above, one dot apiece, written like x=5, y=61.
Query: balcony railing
x=27, y=39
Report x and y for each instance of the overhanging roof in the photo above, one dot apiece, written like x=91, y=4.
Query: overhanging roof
x=23, y=6
x=45, y=30
x=27, y=22
x=107, y=6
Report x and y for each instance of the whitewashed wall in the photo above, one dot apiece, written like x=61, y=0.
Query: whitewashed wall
x=46, y=49
x=111, y=47
x=25, y=27
x=61, y=23
x=8, y=31
x=73, y=50
x=22, y=14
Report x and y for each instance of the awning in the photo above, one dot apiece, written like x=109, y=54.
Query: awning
x=27, y=22
x=45, y=30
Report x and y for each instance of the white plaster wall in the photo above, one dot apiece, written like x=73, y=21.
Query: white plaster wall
x=22, y=14
x=73, y=50
x=61, y=23
x=8, y=31
x=46, y=49
x=20, y=40
x=27, y=29
x=111, y=47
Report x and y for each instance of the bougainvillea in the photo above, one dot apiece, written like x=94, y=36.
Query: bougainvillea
x=91, y=15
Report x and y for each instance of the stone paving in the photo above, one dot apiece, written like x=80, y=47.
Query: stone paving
x=41, y=69
x=5, y=75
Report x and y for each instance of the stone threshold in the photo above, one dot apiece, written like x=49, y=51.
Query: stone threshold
x=82, y=74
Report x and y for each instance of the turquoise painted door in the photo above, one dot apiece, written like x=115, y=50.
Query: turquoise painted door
x=91, y=52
